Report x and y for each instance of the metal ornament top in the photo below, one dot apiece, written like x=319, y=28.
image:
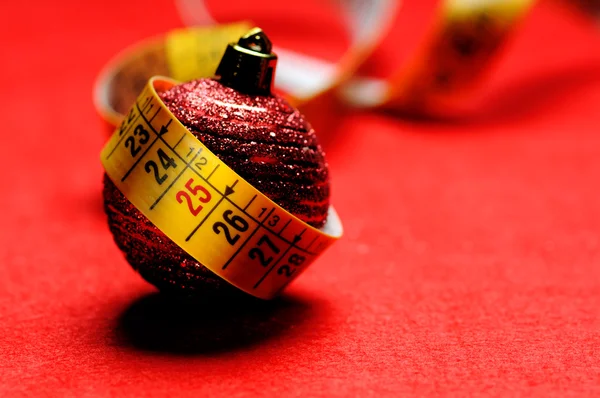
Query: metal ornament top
x=249, y=66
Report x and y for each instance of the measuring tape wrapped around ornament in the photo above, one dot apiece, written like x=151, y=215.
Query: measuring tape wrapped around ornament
x=175, y=207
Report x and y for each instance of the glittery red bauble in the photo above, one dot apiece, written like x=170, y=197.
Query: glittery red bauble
x=263, y=139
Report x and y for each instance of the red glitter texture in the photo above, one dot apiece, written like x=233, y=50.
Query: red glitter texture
x=262, y=138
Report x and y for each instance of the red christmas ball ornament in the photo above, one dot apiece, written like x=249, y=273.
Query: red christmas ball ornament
x=256, y=133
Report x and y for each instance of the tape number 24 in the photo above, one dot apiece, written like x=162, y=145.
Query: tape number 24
x=165, y=160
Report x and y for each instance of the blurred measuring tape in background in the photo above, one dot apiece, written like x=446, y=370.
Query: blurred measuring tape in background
x=458, y=50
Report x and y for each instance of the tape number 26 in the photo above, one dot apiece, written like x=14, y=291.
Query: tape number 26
x=235, y=221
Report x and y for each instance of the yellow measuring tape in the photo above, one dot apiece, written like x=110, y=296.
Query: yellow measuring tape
x=204, y=206
x=457, y=52
x=459, y=49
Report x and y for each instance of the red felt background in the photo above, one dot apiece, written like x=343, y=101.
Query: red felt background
x=470, y=263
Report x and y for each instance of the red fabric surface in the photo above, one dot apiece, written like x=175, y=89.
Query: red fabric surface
x=469, y=264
